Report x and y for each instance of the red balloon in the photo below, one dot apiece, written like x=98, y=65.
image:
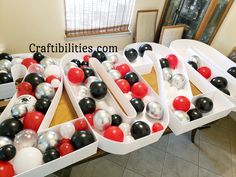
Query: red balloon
x=114, y=133
x=123, y=69
x=81, y=124
x=173, y=60
x=86, y=58
x=6, y=169
x=65, y=149
x=65, y=140
x=181, y=103
x=24, y=88
x=205, y=71
x=123, y=85
x=139, y=90
x=76, y=75
x=33, y=120
x=89, y=118
x=54, y=81
x=156, y=127
x=28, y=61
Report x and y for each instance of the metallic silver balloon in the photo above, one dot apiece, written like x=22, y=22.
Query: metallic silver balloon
x=167, y=74
x=5, y=141
x=154, y=110
x=5, y=65
x=25, y=138
x=18, y=110
x=3, y=71
x=28, y=100
x=48, y=139
x=115, y=74
x=90, y=80
x=182, y=116
x=108, y=65
x=82, y=92
x=195, y=59
x=44, y=90
x=112, y=58
x=47, y=61
x=102, y=120
x=69, y=66
x=178, y=81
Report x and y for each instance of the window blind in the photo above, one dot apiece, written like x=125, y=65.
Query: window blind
x=88, y=17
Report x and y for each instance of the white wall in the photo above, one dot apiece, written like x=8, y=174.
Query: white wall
x=42, y=21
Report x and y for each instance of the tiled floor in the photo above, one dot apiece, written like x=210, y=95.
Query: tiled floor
x=213, y=155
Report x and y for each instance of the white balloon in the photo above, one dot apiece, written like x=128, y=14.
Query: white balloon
x=26, y=159
x=16, y=61
x=128, y=139
x=52, y=70
x=125, y=128
x=67, y=130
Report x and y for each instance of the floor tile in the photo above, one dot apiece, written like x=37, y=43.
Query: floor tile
x=181, y=146
x=147, y=161
x=129, y=173
x=226, y=123
x=118, y=159
x=205, y=173
x=162, y=143
x=176, y=167
x=78, y=170
x=215, y=159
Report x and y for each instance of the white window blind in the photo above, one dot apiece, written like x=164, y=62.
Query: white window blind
x=87, y=17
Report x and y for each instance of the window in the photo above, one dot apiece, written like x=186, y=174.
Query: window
x=89, y=17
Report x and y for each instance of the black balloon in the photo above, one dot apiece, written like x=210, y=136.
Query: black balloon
x=76, y=61
x=140, y=129
x=116, y=120
x=10, y=127
x=131, y=54
x=5, y=78
x=204, y=104
x=35, y=79
x=5, y=56
x=7, y=152
x=194, y=114
x=82, y=138
x=143, y=48
x=98, y=89
x=225, y=90
x=99, y=55
x=42, y=105
x=193, y=64
x=138, y=104
x=164, y=63
x=131, y=77
x=84, y=63
x=232, y=71
x=87, y=105
x=38, y=56
x=219, y=82
x=50, y=154
x=88, y=72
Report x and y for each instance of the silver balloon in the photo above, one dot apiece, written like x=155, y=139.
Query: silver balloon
x=25, y=138
x=82, y=92
x=154, y=110
x=115, y=74
x=5, y=65
x=90, y=80
x=28, y=100
x=108, y=65
x=195, y=59
x=167, y=74
x=44, y=90
x=48, y=139
x=178, y=81
x=102, y=120
x=3, y=71
x=182, y=116
x=18, y=110
x=47, y=61
x=5, y=141
x=69, y=66
x=112, y=58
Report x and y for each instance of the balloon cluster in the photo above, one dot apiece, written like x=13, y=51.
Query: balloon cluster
x=5, y=68
x=219, y=81
x=131, y=54
x=182, y=111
